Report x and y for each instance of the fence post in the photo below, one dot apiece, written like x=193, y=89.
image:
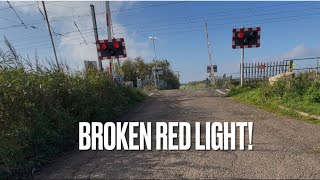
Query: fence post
x=264, y=72
x=317, y=69
x=290, y=66
x=251, y=72
x=255, y=72
x=268, y=69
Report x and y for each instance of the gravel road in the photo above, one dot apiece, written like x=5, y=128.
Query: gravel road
x=283, y=148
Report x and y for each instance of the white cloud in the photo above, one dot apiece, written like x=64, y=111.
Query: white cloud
x=72, y=46
x=301, y=51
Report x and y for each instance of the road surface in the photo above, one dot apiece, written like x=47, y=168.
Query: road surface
x=283, y=147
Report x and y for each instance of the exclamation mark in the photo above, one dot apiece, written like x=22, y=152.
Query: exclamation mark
x=250, y=131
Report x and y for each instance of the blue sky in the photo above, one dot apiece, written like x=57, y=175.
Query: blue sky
x=289, y=30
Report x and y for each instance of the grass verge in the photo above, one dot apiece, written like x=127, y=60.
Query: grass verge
x=299, y=94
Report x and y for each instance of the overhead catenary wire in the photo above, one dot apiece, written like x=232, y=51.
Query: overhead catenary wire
x=222, y=25
x=222, y=13
x=24, y=5
x=174, y=29
x=103, y=13
x=44, y=18
x=231, y=16
x=17, y=15
x=144, y=27
x=223, y=19
x=80, y=32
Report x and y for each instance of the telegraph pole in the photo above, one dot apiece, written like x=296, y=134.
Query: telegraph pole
x=48, y=24
x=95, y=29
x=210, y=56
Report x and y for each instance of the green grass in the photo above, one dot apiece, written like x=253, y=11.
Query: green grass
x=182, y=87
x=197, y=86
x=298, y=94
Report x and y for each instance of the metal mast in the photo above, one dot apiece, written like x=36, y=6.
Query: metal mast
x=209, y=53
x=153, y=38
x=49, y=29
x=95, y=30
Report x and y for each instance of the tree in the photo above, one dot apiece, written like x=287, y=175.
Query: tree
x=138, y=68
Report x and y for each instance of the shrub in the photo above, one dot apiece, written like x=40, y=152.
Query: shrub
x=313, y=93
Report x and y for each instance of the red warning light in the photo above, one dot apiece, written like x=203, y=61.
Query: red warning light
x=116, y=45
x=103, y=46
x=240, y=35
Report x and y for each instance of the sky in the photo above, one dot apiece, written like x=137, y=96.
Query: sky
x=288, y=30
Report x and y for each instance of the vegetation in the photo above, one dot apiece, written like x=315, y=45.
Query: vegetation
x=301, y=93
x=138, y=68
x=40, y=107
x=196, y=85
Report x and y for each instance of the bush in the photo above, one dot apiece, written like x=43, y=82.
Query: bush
x=39, y=113
x=313, y=93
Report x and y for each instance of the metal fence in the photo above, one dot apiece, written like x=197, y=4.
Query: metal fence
x=305, y=65
x=258, y=72
x=255, y=72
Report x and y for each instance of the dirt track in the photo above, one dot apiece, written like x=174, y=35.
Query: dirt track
x=283, y=147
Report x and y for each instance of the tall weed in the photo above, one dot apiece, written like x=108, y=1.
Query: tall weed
x=40, y=108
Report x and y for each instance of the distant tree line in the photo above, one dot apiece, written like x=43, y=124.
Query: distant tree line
x=138, y=68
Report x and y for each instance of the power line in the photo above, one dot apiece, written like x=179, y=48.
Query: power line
x=44, y=18
x=8, y=19
x=21, y=6
x=174, y=29
x=47, y=46
x=241, y=18
x=227, y=17
x=80, y=32
x=129, y=9
x=223, y=25
x=218, y=25
x=222, y=12
x=144, y=7
x=17, y=15
x=266, y=22
x=102, y=13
